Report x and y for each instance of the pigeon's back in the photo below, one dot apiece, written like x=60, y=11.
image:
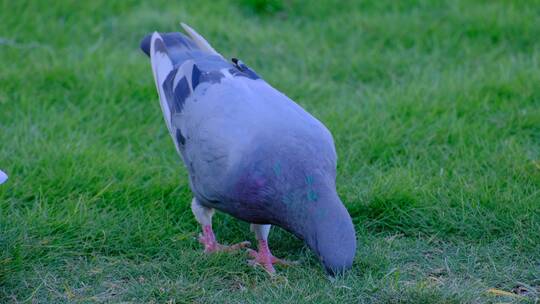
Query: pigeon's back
x=244, y=143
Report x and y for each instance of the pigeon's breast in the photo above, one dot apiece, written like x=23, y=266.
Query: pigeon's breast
x=278, y=178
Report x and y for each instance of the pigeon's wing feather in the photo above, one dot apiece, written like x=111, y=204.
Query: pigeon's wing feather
x=199, y=40
x=163, y=68
x=179, y=67
x=181, y=64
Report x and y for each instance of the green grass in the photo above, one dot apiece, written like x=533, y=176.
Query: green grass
x=435, y=110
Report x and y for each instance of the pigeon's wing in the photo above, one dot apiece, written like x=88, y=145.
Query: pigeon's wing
x=180, y=65
x=173, y=57
x=162, y=67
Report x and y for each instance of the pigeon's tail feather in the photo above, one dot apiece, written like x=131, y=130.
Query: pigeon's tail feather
x=179, y=44
x=145, y=44
x=176, y=43
x=199, y=40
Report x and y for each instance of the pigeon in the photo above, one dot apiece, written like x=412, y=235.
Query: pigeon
x=250, y=152
x=3, y=177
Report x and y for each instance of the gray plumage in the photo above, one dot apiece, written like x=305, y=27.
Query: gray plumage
x=250, y=150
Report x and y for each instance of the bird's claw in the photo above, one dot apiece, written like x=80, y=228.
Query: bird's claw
x=267, y=261
x=212, y=246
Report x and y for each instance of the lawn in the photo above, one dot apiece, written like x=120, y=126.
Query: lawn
x=435, y=111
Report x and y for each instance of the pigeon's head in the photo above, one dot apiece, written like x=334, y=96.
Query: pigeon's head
x=330, y=234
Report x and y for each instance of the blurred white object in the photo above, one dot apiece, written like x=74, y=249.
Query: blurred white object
x=3, y=177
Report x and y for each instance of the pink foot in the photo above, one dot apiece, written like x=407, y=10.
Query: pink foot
x=264, y=258
x=208, y=239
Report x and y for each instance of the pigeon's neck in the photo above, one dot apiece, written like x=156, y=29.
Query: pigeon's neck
x=307, y=205
x=323, y=222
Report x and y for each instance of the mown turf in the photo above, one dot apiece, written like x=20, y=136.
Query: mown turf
x=435, y=110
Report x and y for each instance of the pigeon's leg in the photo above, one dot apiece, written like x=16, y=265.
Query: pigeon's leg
x=264, y=257
x=207, y=238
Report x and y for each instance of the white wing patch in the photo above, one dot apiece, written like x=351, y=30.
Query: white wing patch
x=185, y=70
x=161, y=67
